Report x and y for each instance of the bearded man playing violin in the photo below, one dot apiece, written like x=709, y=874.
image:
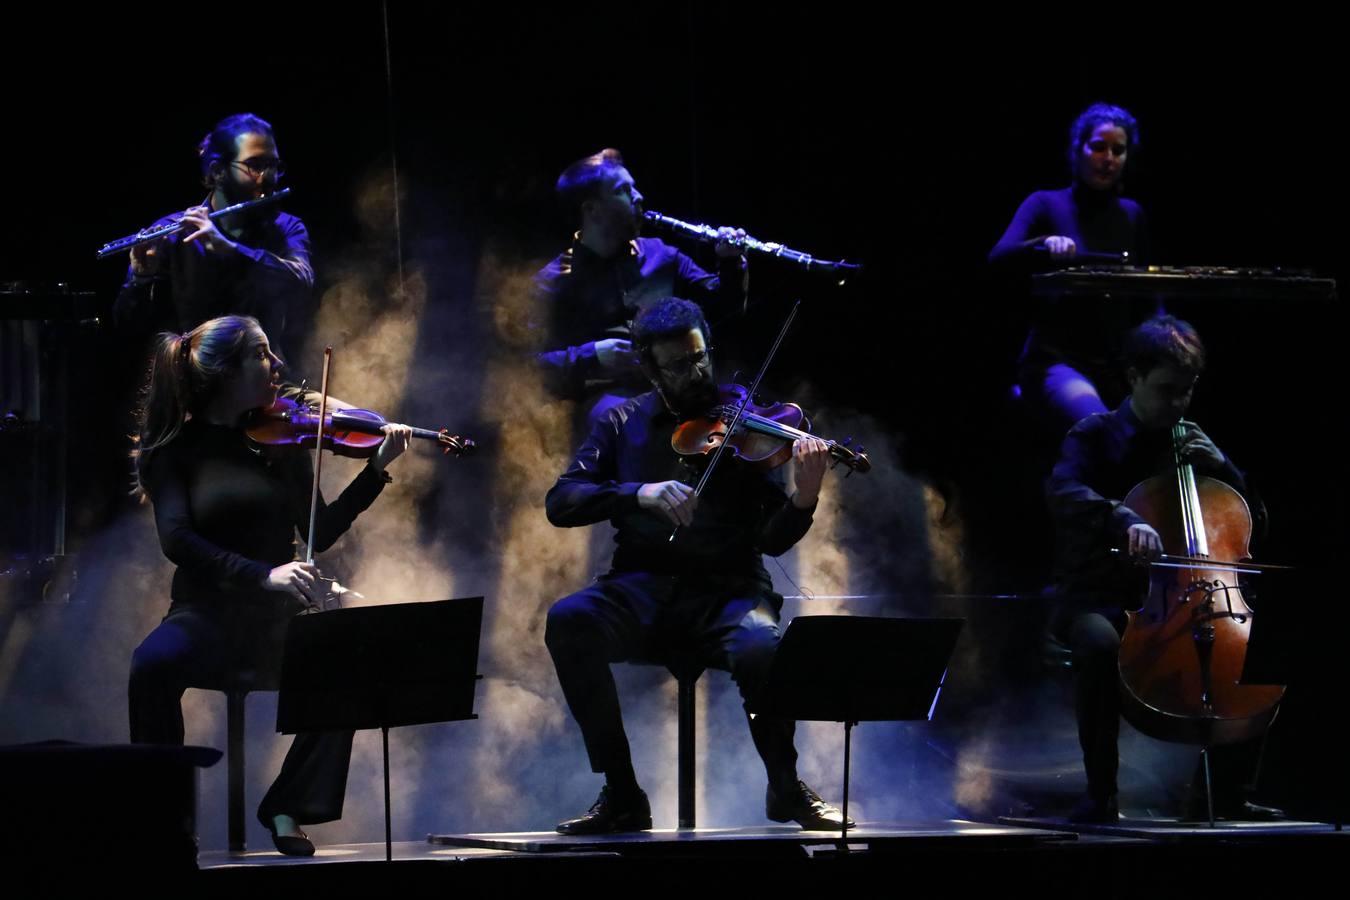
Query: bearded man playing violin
x=706, y=592
x=1098, y=536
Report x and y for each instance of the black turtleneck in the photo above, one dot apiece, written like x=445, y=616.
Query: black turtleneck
x=227, y=513
x=1081, y=331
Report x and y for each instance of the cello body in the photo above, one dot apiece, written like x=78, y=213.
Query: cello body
x=1183, y=650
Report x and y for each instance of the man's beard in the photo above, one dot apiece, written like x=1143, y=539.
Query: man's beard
x=695, y=398
x=249, y=218
x=237, y=193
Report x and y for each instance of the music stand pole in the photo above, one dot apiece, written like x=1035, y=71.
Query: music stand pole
x=848, y=752
x=388, y=829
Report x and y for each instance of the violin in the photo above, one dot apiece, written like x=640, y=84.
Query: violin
x=1182, y=653
x=347, y=432
x=355, y=433
x=763, y=434
x=752, y=433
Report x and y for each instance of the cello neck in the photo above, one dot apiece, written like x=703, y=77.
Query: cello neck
x=1192, y=516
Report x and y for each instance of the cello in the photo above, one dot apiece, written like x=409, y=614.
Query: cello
x=1182, y=652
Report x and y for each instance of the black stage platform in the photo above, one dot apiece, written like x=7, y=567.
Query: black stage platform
x=1170, y=829
x=1138, y=859
x=765, y=841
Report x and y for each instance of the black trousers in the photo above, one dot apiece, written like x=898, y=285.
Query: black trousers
x=718, y=622
x=205, y=646
x=1094, y=638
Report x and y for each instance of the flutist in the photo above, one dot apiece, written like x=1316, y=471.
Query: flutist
x=255, y=263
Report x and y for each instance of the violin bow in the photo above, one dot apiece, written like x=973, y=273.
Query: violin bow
x=318, y=454
x=1177, y=561
x=740, y=410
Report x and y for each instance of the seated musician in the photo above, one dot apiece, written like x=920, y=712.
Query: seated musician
x=227, y=515
x=706, y=591
x=1068, y=360
x=1103, y=457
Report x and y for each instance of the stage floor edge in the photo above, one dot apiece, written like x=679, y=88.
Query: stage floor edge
x=1172, y=829
x=784, y=838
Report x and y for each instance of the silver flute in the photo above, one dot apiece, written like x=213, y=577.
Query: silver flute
x=708, y=234
x=146, y=235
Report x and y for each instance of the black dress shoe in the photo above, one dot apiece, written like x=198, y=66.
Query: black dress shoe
x=804, y=806
x=612, y=814
x=1255, y=812
x=1091, y=811
x=1197, y=810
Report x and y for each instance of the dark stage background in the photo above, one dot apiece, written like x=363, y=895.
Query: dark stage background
x=845, y=136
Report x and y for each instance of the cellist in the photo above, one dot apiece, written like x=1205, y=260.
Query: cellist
x=1102, y=458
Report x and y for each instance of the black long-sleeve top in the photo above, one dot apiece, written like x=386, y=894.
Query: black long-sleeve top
x=742, y=513
x=1098, y=221
x=1103, y=457
x=587, y=298
x=270, y=278
x=227, y=514
x=1078, y=330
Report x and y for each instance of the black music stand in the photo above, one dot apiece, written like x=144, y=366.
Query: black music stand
x=854, y=669
x=381, y=667
x=1287, y=646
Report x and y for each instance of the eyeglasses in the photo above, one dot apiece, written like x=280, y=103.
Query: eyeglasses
x=260, y=167
x=685, y=366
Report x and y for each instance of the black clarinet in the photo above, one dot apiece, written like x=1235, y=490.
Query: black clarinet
x=708, y=234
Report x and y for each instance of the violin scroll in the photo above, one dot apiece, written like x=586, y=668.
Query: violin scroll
x=763, y=436
x=856, y=459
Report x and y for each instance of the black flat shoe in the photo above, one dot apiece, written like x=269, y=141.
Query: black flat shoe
x=288, y=844
x=293, y=844
x=612, y=814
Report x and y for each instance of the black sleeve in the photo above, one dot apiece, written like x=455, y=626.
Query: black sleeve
x=290, y=269
x=167, y=483
x=723, y=293
x=1075, y=504
x=134, y=309
x=565, y=368
x=782, y=524
x=1027, y=229
x=1230, y=475
x=277, y=288
x=332, y=519
x=587, y=492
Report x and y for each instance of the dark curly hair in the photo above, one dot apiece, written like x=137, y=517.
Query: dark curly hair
x=221, y=142
x=1161, y=340
x=1101, y=114
x=668, y=318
